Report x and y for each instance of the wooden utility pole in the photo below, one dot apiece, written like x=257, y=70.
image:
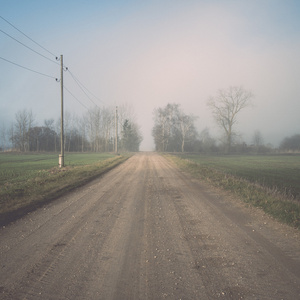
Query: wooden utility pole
x=116, y=125
x=62, y=150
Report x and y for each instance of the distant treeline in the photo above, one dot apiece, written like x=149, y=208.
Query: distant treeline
x=95, y=131
x=175, y=131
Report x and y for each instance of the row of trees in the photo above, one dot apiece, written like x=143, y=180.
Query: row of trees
x=175, y=131
x=94, y=131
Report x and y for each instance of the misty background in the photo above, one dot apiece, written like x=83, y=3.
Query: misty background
x=147, y=54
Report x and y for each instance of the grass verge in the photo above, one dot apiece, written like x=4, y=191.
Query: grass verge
x=23, y=197
x=281, y=208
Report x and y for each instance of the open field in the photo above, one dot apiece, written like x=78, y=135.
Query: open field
x=29, y=180
x=16, y=167
x=269, y=182
x=277, y=172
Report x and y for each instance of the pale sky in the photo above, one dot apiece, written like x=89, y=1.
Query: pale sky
x=150, y=53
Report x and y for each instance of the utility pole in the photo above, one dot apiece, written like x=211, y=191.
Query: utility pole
x=62, y=150
x=116, y=127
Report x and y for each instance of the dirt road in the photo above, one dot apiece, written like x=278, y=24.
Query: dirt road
x=146, y=230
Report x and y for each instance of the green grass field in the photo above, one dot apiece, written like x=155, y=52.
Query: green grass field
x=277, y=172
x=15, y=167
x=29, y=180
x=271, y=183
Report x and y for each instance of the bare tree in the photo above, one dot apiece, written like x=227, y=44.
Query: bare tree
x=126, y=112
x=208, y=144
x=23, y=124
x=82, y=125
x=257, y=140
x=49, y=124
x=71, y=131
x=3, y=137
x=186, y=128
x=94, y=121
x=164, y=130
x=173, y=128
x=108, y=127
x=11, y=134
x=160, y=130
x=226, y=106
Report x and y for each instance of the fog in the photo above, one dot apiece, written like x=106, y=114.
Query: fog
x=150, y=53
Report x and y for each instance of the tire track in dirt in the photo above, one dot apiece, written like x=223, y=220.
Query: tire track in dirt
x=194, y=243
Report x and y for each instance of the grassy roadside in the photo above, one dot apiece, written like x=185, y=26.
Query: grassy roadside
x=281, y=208
x=17, y=199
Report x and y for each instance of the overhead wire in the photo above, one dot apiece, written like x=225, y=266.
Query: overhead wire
x=27, y=68
x=84, y=89
x=31, y=49
x=74, y=97
x=28, y=37
x=28, y=47
x=81, y=86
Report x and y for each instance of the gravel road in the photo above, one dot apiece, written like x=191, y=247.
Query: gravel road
x=146, y=230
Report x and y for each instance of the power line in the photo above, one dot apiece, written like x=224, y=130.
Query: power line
x=28, y=47
x=83, y=88
x=28, y=36
x=28, y=69
x=75, y=97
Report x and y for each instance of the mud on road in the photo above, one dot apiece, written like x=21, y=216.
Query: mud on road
x=145, y=230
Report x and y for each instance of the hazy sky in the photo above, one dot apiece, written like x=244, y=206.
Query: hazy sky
x=150, y=53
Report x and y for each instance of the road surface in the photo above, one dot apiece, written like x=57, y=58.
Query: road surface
x=146, y=230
